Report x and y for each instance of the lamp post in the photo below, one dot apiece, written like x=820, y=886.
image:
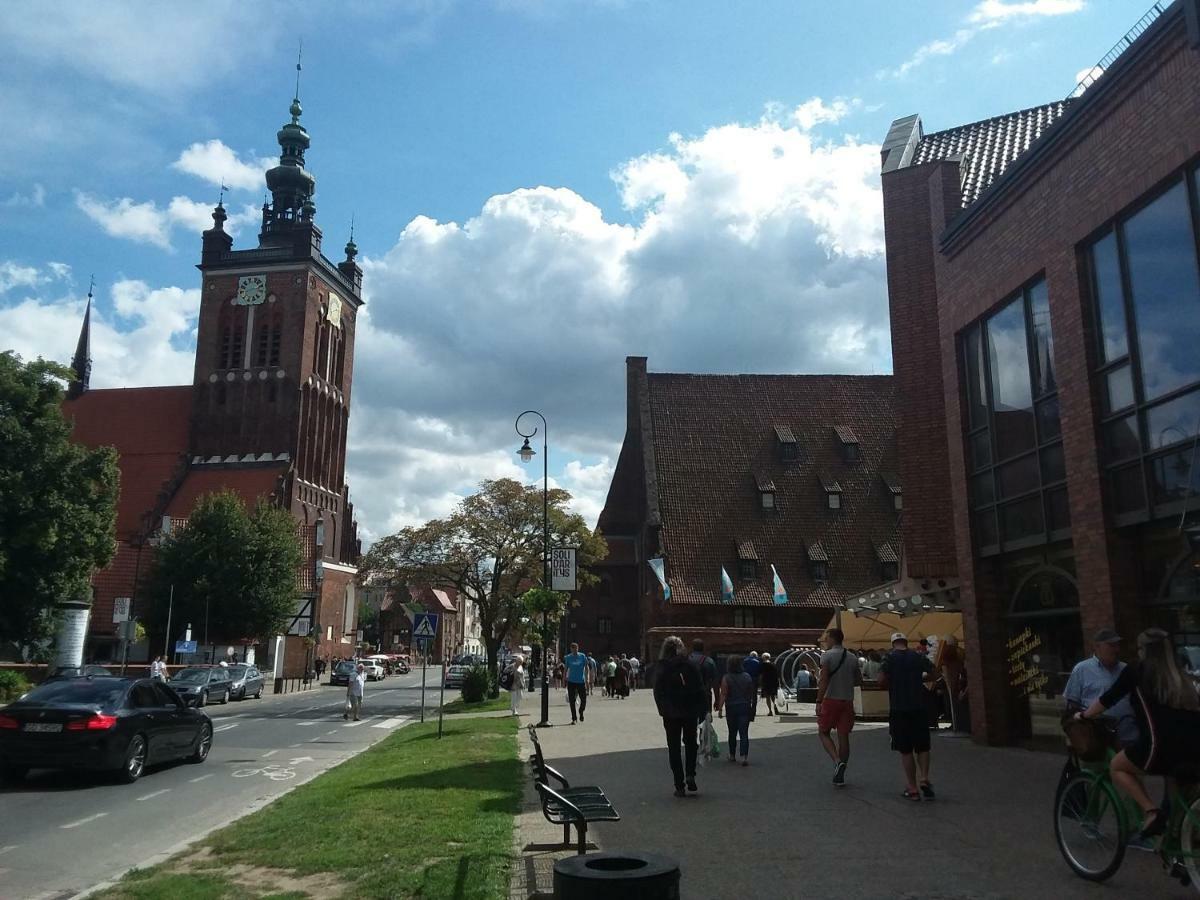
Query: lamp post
x=527, y=453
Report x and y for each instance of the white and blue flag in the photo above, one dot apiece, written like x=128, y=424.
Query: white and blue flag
x=726, y=587
x=659, y=565
x=780, y=593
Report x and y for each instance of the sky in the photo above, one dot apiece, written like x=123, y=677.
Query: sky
x=539, y=188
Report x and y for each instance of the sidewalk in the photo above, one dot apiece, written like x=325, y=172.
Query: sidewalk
x=779, y=829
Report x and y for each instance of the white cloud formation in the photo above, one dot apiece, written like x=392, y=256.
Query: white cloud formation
x=148, y=223
x=986, y=15
x=218, y=164
x=35, y=198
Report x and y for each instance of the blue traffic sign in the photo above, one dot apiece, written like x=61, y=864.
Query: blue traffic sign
x=425, y=626
x=185, y=646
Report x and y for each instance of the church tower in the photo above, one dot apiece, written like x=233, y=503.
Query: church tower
x=275, y=350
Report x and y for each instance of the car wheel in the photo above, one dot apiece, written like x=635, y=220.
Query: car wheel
x=258, y=693
x=203, y=744
x=135, y=760
x=225, y=696
x=12, y=774
x=201, y=699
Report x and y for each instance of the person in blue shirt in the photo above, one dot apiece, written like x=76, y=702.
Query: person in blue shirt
x=1095, y=675
x=577, y=680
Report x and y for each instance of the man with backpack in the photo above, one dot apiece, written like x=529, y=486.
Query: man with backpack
x=708, y=675
x=840, y=675
x=680, y=699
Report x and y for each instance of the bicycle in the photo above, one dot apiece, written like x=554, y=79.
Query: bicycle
x=1093, y=822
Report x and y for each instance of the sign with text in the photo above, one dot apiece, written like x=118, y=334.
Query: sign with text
x=562, y=569
x=120, y=609
x=185, y=646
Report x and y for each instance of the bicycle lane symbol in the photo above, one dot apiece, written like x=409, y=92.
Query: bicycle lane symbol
x=273, y=772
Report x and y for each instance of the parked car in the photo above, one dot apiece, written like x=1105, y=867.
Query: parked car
x=384, y=661
x=245, y=681
x=101, y=723
x=372, y=669
x=78, y=672
x=341, y=673
x=455, y=674
x=199, y=685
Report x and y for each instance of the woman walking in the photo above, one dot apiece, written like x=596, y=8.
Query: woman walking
x=517, y=690
x=768, y=684
x=737, y=699
x=679, y=696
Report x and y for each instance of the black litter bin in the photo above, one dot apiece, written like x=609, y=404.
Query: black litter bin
x=630, y=875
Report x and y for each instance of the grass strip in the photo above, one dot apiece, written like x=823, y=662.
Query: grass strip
x=412, y=817
x=495, y=704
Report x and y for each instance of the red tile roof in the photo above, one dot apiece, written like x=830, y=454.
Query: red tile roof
x=248, y=482
x=150, y=428
x=714, y=435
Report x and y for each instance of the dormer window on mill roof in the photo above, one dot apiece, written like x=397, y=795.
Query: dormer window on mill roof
x=766, y=492
x=833, y=492
x=789, y=450
x=850, y=448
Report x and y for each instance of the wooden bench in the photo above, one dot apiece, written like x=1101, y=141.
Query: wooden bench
x=565, y=805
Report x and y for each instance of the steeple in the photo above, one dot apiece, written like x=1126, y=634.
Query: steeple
x=81, y=365
x=349, y=266
x=216, y=241
x=291, y=185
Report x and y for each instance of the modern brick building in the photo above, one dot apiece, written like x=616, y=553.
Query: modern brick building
x=1045, y=307
x=265, y=416
x=743, y=473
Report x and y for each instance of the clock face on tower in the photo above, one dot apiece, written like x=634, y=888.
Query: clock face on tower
x=252, y=290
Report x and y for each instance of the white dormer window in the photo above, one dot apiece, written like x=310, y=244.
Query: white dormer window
x=898, y=501
x=768, y=501
x=835, y=499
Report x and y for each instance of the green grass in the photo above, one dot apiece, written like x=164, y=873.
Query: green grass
x=412, y=817
x=497, y=704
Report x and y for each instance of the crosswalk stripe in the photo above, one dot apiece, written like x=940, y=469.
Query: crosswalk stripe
x=391, y=723
x=227, y=727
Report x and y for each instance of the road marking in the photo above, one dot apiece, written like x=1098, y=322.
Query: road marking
x=300, y=759
x=391, y=723
x=8, y=848
x=201, y=778
x=84, y=821
x=227, y=727
x=308, y=723
x=154, y=794
x=359, y=722
x=269, y=754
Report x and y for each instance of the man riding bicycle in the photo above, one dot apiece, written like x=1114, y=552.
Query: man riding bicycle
x=1095, y=675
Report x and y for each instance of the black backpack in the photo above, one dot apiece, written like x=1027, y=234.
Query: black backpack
x=506, y=679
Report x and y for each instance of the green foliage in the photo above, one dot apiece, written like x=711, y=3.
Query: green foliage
x=12, y=685
x=476, y=682
x=57, y=501
x=242, y=565
x=544, y=608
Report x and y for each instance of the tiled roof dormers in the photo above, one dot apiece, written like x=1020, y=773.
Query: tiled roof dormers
x=886, y=553
x=716, y=444
x=784, y=434
x=987, y=148
x=892, y=482
x=746, y=551
x=830, y=484
x=816, y=553
x=845, y=434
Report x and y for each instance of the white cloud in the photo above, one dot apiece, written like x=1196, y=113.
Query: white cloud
x=14, y=275
x=218, y=164
x=815, y=111
x=147, y=223
x=146, y=340
x=36, y=197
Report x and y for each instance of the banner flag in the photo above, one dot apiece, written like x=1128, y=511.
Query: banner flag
x=726, y=587
x=780, y=593
x=659, y=565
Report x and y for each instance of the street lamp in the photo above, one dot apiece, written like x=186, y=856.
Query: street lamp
x=527, y=453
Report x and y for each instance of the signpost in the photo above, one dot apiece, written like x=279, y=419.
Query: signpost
x=120, y=610
x=424, y=631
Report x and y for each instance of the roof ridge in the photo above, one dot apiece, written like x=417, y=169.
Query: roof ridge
x=1007, y=115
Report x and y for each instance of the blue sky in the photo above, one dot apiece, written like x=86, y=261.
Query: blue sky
x=540, y=188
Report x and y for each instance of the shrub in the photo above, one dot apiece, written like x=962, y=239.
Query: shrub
x=475, y=684
x=12, y=685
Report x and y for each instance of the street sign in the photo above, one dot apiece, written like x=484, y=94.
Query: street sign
x=120, y=609
x=425, y=626
x=562, y=569
x=185, y=646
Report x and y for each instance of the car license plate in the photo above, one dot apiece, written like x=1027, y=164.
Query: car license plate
x=43, y=726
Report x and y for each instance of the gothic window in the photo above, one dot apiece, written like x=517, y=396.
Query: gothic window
x=276, y=339
x=225, y=347
x=237, y=337
x=262, y=344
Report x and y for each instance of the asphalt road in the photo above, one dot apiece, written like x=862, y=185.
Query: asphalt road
x=64, y=833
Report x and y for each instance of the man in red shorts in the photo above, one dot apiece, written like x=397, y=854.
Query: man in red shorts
x=840, y=674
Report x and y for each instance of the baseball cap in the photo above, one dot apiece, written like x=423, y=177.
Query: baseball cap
x=899, y=636
x=1106, y=636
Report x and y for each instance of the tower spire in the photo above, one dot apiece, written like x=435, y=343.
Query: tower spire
x=291, y=185
x=81, y=364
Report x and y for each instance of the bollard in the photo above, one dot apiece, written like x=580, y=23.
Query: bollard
x=631, y=875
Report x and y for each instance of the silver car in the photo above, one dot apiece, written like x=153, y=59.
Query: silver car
x=246, y=680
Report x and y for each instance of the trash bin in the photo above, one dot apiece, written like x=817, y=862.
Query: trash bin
x=630, y=875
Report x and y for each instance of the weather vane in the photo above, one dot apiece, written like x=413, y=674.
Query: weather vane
x=221, y=196
x=91, y=285
x=299, y=55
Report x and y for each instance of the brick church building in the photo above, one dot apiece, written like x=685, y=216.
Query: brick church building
x=265, y=415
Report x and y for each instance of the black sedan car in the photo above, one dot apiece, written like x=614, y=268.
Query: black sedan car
x=341, y=673
x=200, y=685
x=108, y=724
x=245, y=681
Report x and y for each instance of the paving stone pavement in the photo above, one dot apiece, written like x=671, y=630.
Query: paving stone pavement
x=779, y=829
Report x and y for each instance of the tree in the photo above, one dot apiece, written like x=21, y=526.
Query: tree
x=235, y=568
x=57, y=502
x=489, y=549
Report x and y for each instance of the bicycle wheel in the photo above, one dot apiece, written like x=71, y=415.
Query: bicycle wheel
x=1089, y=828
x=1189, y=842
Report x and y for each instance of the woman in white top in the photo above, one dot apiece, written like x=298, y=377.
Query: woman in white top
x=518, y=685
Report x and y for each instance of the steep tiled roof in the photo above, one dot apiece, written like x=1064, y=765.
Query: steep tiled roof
x=845, y=434
x=892, y=481
x=248, y=482
x=784, y=434
x=988, y=147
x=149, y=427
x=745, y=550
x=712, y=431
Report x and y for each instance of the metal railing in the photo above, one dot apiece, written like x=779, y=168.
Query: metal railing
x=1118, y=48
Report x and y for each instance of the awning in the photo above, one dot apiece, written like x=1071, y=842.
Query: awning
x=873, y=631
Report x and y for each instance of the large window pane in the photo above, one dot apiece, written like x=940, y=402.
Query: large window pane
x=1165, y=283
x=1008, y=356
x=1058, y=511
x=1054, y=466
x=1047, y=420
x=1044, y=380
x=1128, y=493
x=1019, y=476
x=986, y=534
x=1174, y=421
x=1171, y=476
x=1109, y=306
x=1022, y=518
x=1121, y=440
x=981, y=450
x=982, y=489
x=976, y=387
x=1118, y=389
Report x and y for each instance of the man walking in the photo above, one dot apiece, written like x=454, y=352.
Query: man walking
x=835, y=701
x=903, y=673
x=708, y=675
x=355, y=687
x=752, y=667
x=577, y=670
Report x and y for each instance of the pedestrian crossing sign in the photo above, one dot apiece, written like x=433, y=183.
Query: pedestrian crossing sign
x=425, y=626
